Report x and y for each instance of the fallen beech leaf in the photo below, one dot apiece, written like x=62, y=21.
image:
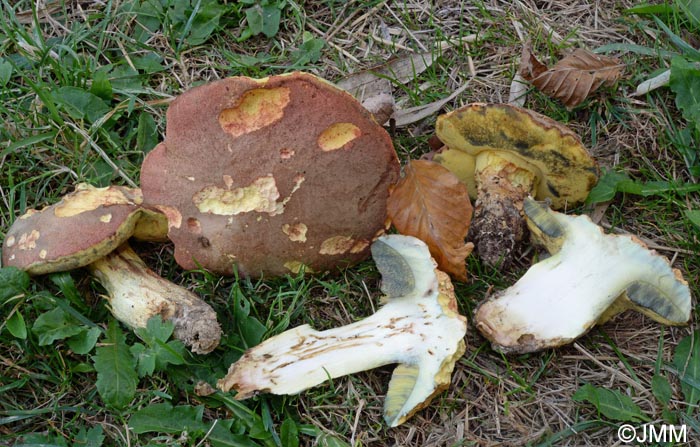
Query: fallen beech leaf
x=573, y=78
x=430, y=203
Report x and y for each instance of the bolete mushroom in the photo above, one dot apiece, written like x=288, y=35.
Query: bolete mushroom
x=504, y=153
x=89, y=228
x=270, y=176
x=418, y=327
x=590, y=277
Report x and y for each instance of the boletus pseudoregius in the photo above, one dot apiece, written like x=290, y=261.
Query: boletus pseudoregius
x=418, y=327
x=504, y=153
x=90, y=228
x=590, y=277
x=270, y=176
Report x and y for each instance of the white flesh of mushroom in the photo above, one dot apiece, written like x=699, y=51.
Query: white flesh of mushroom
x=591, y=277
x=418, y=327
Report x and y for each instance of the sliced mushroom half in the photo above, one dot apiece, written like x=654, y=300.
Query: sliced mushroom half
x=590, y=277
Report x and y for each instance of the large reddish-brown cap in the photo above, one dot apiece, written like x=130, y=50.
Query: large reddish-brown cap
x=84, y=226
x=269, y=175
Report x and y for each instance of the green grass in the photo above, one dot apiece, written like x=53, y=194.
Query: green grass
x=83, y=100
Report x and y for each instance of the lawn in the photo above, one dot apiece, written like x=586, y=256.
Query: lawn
x=84, y=87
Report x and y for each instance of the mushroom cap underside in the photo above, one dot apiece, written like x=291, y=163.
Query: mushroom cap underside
x=565, y=171
x=270, y=176
x=85, y=225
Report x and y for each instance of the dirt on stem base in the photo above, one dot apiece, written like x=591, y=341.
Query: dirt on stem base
x=498, y=226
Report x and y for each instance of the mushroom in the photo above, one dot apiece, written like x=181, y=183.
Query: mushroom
x=418, y=327
x=270, y=176
x=503, y=154
x=89, y=228
x=590, y=277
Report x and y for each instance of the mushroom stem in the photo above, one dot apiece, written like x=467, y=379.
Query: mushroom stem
x=136, y=293
x=590, y=277
x=498, y=227
x=418, y=328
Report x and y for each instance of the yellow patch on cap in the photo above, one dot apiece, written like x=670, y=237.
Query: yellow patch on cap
x=10, y=241
x=106, y=218
x=87, y=198
x=260, y=196
x=359, y=246
x=296, y=232
x=338, y=135
x=296, y=266
x=336, y=245
x=42, y=254
x=256, y=109
x=28, y=241
x=173, y=215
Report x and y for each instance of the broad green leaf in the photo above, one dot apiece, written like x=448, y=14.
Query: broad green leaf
x=13, y=282
x=16, y=325
x=685, y=83
x=221, y=436
x=250, y=329
x=55, y=325
x=41, y=440
x=693, y=216
x=606, y=188
x=610, y=403
x=116, y=369
x=65, y=283
x=289, y=433
x=156, y=329
x=326, y=440
x=149, y=16
x=80, y=104
x=149, y=63
x=308, y=52
x=164, y=418
x=101, y=87
x=254, y=16
x=205, y=22
x=612, y=182
x=271, y=20
x=125, y=79
x=83, y=342
x=146, y=133
x=5, y=72
x=661, y=389
x=686, y=359
x=157, y=353
x=145, y=359
x=90, y=438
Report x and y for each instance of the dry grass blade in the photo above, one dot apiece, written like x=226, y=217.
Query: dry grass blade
x=572, y=79
x=430, y=203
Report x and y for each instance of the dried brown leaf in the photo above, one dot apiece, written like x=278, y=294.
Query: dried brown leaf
x=572, y=79
x=373, y=87
x=430, y=203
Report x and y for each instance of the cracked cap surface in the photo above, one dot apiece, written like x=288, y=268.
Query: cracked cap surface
x=84, y=226
x=262, y=175
x=565, y=171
